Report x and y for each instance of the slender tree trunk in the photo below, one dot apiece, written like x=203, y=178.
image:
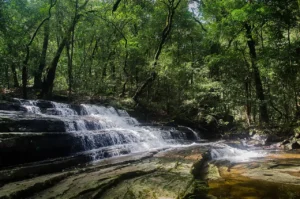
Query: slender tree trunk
x=15, y=76
x=248, y=104
x=42, y=65
x=125, y=68
x=172, y=6
x=25, y=73
x=25, y=62
x=70, y=67
x=263, y=111
x=48, y=81
x=69, y=56
x=247, y=90
x=93, y=57
x=7, y=76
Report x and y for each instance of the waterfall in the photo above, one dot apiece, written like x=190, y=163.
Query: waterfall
x=29, y=106
x=196, y=135
x=105, y=131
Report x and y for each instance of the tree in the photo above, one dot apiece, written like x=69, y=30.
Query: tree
x=171, y=6
x=49, y=80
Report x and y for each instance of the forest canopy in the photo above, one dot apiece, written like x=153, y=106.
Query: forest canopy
x=197, y=58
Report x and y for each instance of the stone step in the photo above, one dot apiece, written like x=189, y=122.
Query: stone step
x=17, y=121
x=19, y=148
x=27, y=170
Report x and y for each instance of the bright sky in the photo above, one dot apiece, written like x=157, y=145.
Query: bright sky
x=193, y=7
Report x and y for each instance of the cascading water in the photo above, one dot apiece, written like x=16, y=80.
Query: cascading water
x=29, y=106
x=194, y=132
x=225, y=152
x=106, y=131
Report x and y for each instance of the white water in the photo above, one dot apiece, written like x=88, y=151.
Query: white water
x=194, y=132
x=99, y=127
x=225, y=152
x=29, y=105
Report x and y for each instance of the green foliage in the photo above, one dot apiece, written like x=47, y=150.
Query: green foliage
x=202, y=71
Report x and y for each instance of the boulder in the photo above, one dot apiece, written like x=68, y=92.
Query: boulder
x=272, y=139
x=286, y=141
x=190, y=134
x=292, y=146
x=43, y=104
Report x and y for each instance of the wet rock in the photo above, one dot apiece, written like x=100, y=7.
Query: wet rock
x=190, y=134
x=19, y=148
x=153, y=177
x=292, y=143
x=212, y=172
x=252, y=132
x=44, y=104
x=78, y=109
x=240, y=144
x=8, y=106
x=275, y=177
x=31, y=125
x=286, y=141
x=272, y=139
x=292, y=146
x=20, y=122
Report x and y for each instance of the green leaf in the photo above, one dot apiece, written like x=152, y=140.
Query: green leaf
x=239, y=15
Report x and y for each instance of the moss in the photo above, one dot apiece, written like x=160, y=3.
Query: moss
x=199, y=190
x=212, y=172
x=161, y=183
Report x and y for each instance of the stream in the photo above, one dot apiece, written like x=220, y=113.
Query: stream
x=56, y=150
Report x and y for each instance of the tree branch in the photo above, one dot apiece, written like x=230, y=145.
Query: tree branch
x=116, y=5
x=199, y=22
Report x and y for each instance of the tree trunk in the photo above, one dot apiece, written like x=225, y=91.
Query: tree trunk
x=48, y=81
x=172, y=6
x=263, y=111
x=7, y=76
x=125, y=68
x=69, y=56
x=39, y=72
x=25, y=62
x=248, y=101
x=15, y=76
x=25, y=73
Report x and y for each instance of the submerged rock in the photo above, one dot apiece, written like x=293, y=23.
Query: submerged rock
x=276, y=176
x=165, y=175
